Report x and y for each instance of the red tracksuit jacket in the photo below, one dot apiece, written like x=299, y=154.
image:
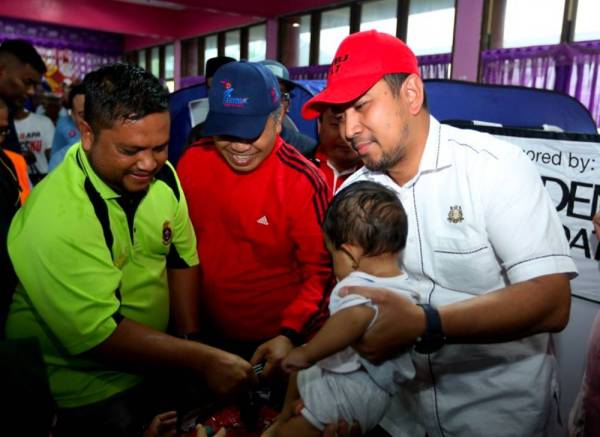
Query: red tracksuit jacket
x=264, y=263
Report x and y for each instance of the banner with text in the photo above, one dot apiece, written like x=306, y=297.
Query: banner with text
x=569, y=165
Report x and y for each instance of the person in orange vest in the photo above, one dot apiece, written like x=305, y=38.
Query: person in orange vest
x=14, y=189
x=18, y=162
x=23, y=375
x=21, y=172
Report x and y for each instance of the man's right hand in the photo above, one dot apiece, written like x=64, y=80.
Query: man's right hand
x=398, y=324
x=133, y=346
x=226, y=373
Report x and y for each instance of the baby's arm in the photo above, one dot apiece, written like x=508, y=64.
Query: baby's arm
x=341, y=330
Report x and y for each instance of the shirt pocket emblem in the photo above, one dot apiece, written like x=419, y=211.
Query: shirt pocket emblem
x=167, y=233
x=455, y=215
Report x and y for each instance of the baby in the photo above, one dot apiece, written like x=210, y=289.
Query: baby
x=365, y=230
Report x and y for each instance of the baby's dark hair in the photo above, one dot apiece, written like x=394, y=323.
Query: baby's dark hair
x=368, y=215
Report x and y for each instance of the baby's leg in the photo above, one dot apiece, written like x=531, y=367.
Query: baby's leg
x=287, y=412
x=290, y=423
x=291, y=397
x=331, y=397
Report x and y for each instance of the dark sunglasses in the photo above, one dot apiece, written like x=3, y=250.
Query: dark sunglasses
x=4, y=131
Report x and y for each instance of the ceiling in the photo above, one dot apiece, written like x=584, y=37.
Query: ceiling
x=263, y=9
x=156, y=19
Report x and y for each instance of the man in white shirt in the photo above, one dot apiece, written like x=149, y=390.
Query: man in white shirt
x=35, y=134
x=485, y=247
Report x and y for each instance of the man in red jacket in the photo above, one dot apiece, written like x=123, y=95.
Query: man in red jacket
x=257, y=206
x=335, y=157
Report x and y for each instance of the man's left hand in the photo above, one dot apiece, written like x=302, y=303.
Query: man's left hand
x=273, y=352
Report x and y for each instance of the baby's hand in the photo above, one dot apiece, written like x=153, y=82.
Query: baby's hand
x=295, y=360
x=163, y=425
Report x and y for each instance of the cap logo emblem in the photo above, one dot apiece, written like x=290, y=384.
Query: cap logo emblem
x=273, y=95
x=228, y=100
x=455, y=215
x=167, y=233
x=337, y=63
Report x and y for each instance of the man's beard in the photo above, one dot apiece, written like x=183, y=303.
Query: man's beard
x=388, y=160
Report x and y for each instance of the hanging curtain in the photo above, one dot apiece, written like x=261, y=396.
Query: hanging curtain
x=435, y=66
x=569, y=68
x=533, y=67
x=313, y=72
x=584, y=80
x=431, y=67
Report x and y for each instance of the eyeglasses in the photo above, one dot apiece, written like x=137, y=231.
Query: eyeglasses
x=4, y=131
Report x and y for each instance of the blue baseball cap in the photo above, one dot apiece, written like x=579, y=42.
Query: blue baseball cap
x=280, y=71
x=242, y=96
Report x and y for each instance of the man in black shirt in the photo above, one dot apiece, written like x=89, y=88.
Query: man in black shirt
x=9, y=203
x=21, y=70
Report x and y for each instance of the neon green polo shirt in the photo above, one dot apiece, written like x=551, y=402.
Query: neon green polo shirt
x=82, y=267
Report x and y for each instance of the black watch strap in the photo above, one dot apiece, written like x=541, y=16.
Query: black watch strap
x=433, y=338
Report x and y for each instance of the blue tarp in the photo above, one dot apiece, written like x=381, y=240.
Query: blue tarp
x=511, y=106
x=181, y=123
x=448, y=100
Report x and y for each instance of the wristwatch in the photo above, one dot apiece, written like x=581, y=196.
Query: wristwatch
x=433, y=338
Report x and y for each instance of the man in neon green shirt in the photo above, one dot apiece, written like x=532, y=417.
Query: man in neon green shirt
x=106, y=259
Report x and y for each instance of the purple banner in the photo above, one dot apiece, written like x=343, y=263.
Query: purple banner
x=74, y=52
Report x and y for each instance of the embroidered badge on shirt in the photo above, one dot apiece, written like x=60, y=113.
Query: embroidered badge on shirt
x=167, y=233
x=455, y=215
x=263, y=220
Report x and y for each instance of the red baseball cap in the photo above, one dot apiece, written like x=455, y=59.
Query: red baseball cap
x=361, y=60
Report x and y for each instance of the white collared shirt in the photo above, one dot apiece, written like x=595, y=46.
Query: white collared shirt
x=479, y=219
